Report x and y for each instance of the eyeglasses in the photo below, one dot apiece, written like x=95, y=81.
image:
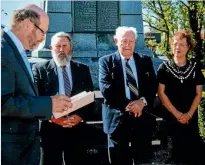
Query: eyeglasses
x=179, y=45
x=38, y=28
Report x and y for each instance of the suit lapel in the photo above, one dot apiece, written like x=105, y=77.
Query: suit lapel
x=75, y=74
x=52, y=76
x=138, y=68
x=20, y=60
x=118, y=70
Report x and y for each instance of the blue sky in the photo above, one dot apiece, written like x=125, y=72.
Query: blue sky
x=9, y=5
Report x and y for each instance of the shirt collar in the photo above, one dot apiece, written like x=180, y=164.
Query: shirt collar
x=15, y=39
x=67, y=66
x=124, y=59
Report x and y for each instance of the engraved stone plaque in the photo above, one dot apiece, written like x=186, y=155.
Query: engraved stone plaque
x=96, y=16
x=107, y=16
x=84, y=16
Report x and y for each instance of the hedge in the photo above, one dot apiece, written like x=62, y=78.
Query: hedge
x=202, y=113
x=202, y=116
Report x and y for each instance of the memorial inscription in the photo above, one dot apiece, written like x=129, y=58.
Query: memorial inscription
x=96, y=16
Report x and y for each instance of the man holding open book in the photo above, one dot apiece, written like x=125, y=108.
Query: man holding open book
x=63, y=76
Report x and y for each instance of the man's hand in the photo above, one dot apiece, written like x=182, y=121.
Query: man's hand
x=58, y=121
x=60, y=103
x=135, y=107
x=71, y=121
x=68, y=121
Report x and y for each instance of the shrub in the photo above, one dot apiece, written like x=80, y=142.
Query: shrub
x=202, y=116
x=203, y=71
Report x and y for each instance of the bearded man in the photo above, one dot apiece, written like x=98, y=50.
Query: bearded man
x=63, y=76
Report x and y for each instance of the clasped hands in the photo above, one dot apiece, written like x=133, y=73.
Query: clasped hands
x=67, y=121
x=183, y=118
x=61, y=103
x=135, y=107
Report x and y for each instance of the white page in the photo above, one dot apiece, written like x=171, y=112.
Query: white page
x=80, y=100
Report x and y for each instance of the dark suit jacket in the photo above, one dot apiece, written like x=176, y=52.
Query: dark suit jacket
x=45, y=75
x=20, y=105
x=111, y=83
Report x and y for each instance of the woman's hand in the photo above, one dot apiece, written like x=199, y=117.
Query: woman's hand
x=177, y=114
x=184, y=118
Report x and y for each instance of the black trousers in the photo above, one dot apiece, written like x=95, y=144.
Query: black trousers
x=138, y=131
x=60, y=143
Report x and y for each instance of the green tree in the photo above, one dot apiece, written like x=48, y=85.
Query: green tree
x=160, y=15
x=170, y=16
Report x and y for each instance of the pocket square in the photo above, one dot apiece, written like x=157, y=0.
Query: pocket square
x=147, y=73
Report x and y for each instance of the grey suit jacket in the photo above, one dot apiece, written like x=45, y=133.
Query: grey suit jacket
x=20, y=105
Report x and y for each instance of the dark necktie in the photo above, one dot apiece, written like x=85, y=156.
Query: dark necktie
x=67, y=85
x=131, y=82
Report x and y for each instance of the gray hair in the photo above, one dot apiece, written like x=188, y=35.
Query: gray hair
x=121, y=30
x=61, y=34
x=22, y=14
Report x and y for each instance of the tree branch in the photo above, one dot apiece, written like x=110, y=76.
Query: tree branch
x=184, y=5
x=152, y=26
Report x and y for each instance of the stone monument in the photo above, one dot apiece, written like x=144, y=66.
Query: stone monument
x=92, y=25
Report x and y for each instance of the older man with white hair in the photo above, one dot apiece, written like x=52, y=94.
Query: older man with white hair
x=128, y=84
x=63, y=76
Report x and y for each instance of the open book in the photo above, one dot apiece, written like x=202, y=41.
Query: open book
x=80, y=100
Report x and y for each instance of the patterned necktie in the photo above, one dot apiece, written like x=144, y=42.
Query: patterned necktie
x=67, y=85
x=131, y=82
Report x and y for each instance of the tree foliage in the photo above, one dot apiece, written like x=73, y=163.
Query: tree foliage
x=168, y=17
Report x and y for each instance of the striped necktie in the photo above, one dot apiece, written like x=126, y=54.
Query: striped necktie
x=131, y=82
x=67, y=85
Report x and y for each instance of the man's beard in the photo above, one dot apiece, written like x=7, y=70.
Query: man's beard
x=61, y=60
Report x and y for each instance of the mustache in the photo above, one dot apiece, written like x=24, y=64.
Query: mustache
x=61, y=53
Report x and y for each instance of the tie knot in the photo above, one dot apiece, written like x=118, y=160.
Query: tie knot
x=63, y=67
x=127, y=61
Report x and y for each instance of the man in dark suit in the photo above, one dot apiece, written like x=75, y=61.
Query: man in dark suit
x=128, y=83
x=21, y=107
x=69, y=135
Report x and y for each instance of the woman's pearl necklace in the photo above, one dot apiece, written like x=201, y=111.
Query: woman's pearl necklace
x=181, y=75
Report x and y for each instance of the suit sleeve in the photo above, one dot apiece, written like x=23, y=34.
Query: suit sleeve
x=151, y=82
x=108, y=87
x=16, y=102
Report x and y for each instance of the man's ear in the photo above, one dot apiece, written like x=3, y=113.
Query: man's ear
x=71, y=48
x=27, y=24
x=50, y=46
x=115, y=40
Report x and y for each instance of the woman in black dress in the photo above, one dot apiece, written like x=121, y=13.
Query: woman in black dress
x=180, y=91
